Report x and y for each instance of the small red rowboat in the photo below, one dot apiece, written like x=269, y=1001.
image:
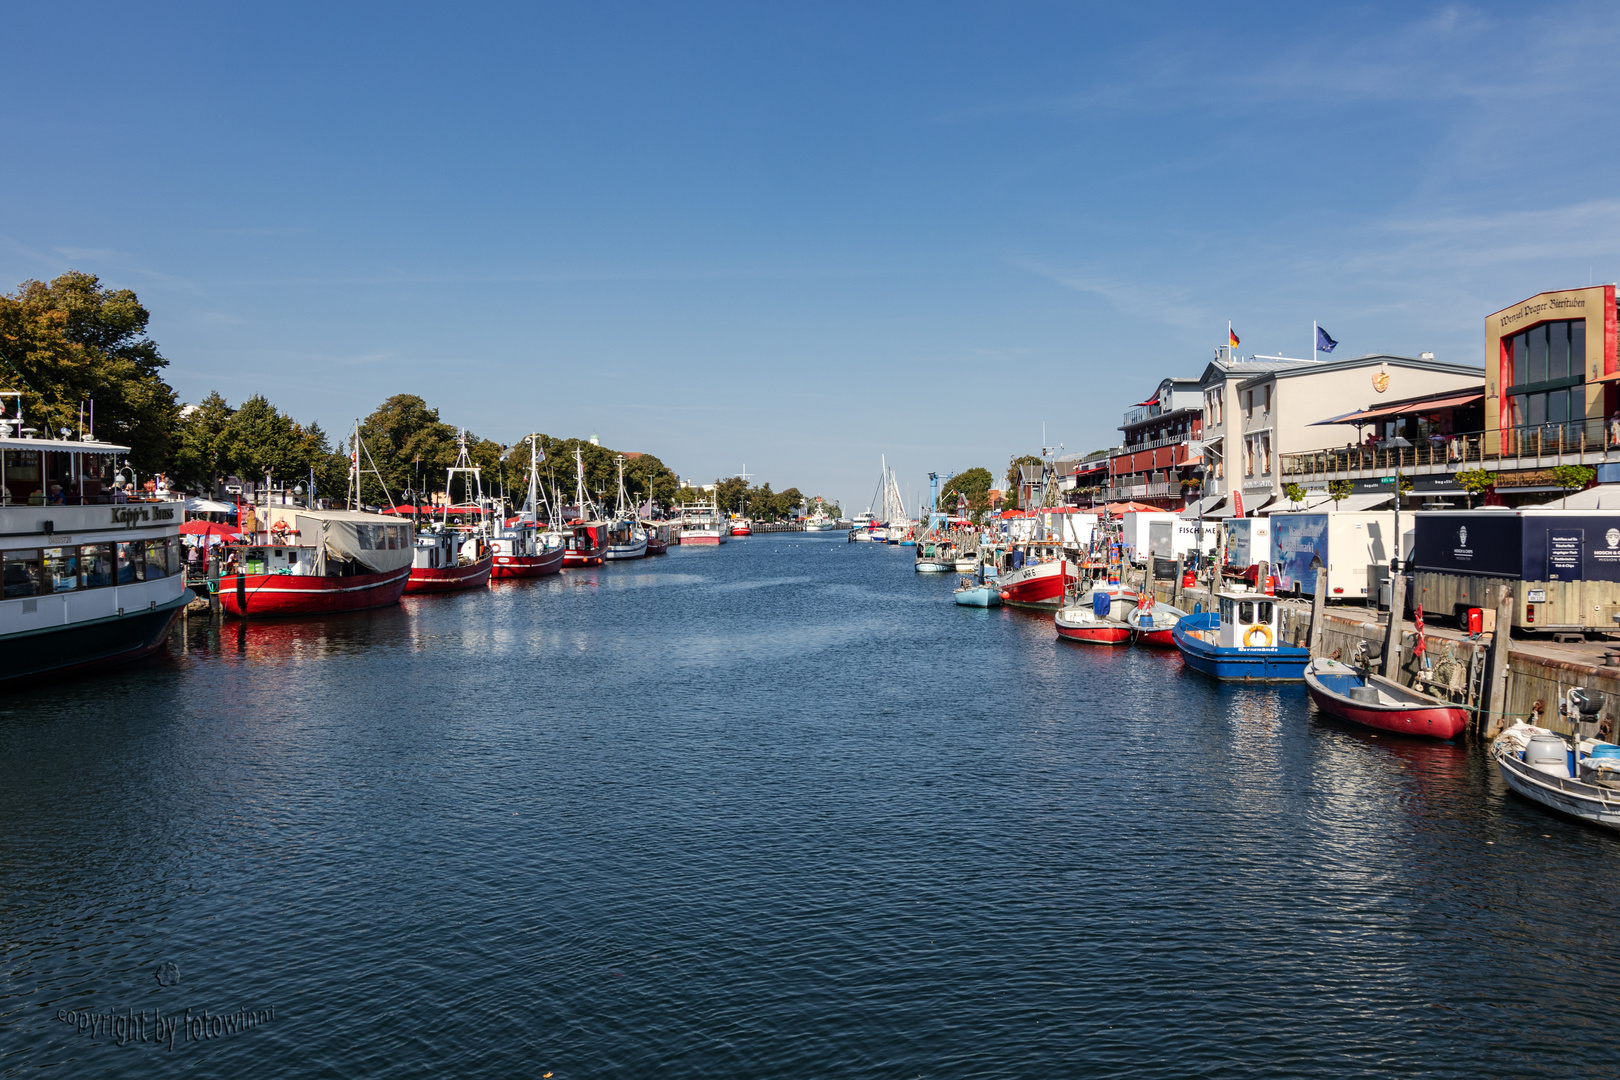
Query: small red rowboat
x=1373, y=701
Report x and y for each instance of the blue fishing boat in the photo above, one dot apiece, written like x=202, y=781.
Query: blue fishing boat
x=1240, y=641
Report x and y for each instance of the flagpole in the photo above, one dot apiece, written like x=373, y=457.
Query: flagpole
x=1313, y=339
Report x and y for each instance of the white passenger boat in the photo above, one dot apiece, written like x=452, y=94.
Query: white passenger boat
x=91, y=578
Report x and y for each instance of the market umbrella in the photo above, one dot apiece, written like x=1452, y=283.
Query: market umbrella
x=210, y=528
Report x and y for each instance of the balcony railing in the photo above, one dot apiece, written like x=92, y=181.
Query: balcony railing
x=1147, y=491
x=1153, y=444
x=1571, y=442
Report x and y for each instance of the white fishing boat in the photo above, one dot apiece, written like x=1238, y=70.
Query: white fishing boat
x=626, y=536
x=1575, y=777
x=820, y=520
x=703, y=524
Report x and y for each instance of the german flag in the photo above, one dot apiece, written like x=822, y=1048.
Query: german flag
x=1232, y=338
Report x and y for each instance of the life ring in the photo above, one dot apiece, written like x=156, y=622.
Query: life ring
x=1258, y=628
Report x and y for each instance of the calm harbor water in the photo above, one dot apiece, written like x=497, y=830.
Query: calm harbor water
x=773, y=809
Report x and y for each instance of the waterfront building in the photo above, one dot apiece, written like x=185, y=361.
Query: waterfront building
x=1083, y=480
x=1547, y=396
x=1300, y=408
x=1159, y=457
x=1224, y=432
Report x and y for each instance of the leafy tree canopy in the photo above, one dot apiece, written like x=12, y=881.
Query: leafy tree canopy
x=72, y=342
x=1013, y=466
x=975, y=484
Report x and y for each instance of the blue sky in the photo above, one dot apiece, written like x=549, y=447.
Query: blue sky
x=799, y=236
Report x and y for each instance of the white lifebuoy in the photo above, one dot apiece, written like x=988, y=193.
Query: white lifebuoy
x=1259, y=628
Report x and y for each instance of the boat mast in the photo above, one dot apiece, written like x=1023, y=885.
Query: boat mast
x=579, y=483
x=463, y=465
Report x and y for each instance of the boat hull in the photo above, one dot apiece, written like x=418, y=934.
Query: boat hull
x=1438, y=722
x=527, y=566
x=438, y=579
x=702, y=538
x=1157, y=639
x=258, y=596
x=1041, y=585
x=82, y=647
x=985, y=596
x=1274, y=664
x=936, y=566
x=622, y=552
x=1100, y=633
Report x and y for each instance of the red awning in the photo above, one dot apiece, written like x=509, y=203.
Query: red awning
x=209, y=528
x=1407, y=407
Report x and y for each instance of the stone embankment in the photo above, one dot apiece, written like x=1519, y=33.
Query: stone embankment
x=1526, y=683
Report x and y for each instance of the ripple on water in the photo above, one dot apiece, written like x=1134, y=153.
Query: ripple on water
x=763, y=810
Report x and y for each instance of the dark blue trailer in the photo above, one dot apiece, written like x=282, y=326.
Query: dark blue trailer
x=1561, y=566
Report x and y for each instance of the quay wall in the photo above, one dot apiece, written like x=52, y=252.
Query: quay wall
x=1538, y=673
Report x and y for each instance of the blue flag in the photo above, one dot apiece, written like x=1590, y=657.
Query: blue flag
x=1323, y=342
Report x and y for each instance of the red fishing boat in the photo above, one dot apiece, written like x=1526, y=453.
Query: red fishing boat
x=1042, y=583
x=657, y=537
x=1373, y=701
x=742, y=527
x=316, y=562
x=455, y=553
x=522, y=545
x=523, y=549
x=1155, y=623
x=1092, y=620
x=446, y=560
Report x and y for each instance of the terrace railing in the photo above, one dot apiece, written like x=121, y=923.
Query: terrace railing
x=1573, y=442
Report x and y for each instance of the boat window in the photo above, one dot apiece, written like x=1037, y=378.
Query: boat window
x=131, y=562
x=22, y=574
x=162, y=559
x=22, y=471
x=96, y=565
x=1245, y=612
x=1265, y=612
x=62, y=569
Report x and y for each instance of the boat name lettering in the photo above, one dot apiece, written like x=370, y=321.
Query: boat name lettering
x=132, y=516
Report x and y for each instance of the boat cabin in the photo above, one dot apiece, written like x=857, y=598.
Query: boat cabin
x=1249, y=621
x=438, y=548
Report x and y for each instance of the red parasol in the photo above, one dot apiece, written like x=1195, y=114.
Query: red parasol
x=210, y=528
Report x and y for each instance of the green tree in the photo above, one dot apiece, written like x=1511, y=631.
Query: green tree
x=1294, y=493
x=199, y=461
x=1340, y=490
x=73, y=342
x=410, y=445
x=730, y=493
x=1013, y=470
x=1475, y=483
x=973, y=483
x=1572, y=477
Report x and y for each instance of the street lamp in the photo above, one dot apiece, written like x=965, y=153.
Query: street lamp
x=1397, y=444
